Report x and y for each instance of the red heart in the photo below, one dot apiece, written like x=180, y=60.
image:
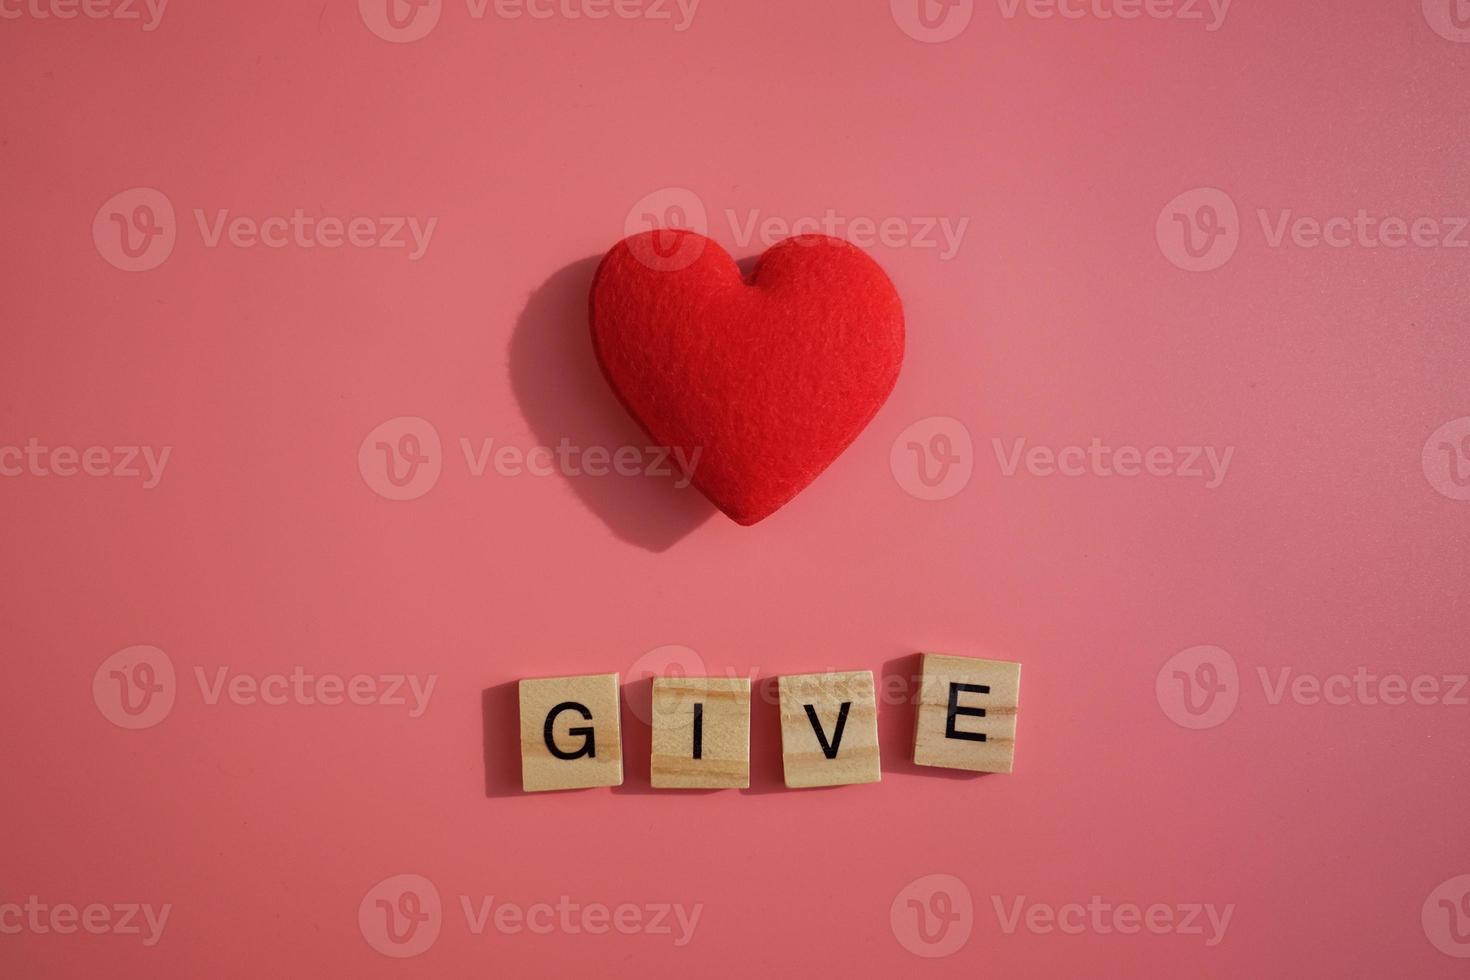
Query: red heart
x=770, y=380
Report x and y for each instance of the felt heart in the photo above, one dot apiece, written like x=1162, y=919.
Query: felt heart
x=767, y=380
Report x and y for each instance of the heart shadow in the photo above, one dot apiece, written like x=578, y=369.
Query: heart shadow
x=563, y=396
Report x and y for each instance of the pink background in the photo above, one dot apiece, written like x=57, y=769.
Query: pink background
x=1334, y=831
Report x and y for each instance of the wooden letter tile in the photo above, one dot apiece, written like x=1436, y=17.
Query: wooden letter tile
x=967, y=714
x=571, y=732
x=829, y=729
x=701, y=733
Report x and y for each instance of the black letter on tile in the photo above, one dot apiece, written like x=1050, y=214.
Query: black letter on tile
x=699, y=731
x=589, y=738
x=830, y=751
x=955, y=710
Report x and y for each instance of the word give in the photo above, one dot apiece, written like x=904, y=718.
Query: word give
x=571, y=734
